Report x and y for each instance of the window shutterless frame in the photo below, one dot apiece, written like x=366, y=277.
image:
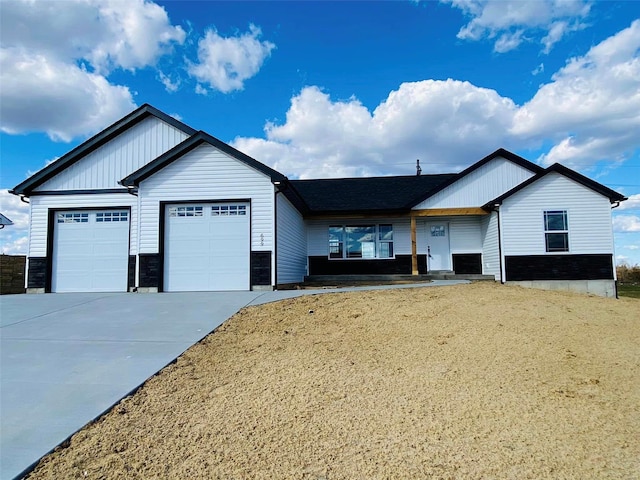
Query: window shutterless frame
x=361, y=242
x=556, y=231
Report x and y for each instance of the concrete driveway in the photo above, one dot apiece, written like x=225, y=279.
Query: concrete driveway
x=65, y=359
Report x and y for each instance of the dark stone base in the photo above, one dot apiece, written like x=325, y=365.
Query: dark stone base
x=37, y=274
x=150, y=270
x=467, y=263
x=260, y=268
x=401, y=265
x=559, y=267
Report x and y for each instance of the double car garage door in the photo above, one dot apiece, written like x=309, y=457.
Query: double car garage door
x=206, y=247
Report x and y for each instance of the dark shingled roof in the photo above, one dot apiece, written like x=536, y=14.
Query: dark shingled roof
x=370, y=195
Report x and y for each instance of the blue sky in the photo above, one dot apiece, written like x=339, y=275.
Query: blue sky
x=321, y=89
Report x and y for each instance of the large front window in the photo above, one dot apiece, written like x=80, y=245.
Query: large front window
x=556, y=231
x=361, y=241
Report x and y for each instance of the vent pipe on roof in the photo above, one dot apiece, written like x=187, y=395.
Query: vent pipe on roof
x=418, y=168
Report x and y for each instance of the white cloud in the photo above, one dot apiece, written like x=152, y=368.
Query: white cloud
x=65, y=100
x=55, y=58
x=508, y=41
x=558, y=30
x=170, y=86
x=626, y=223
x=590, y=113
x=538, y=70
x=632, y=247
x=439, y=122
x=591, y=109
x=13, y=238
x=107, y=34
x=510, y=19
x=632, y=203
x=200, y=90
x=225, y=63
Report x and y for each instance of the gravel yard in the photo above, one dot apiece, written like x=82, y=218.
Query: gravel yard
x=469, y=381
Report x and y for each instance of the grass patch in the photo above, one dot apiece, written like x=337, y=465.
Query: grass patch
x=630, y=290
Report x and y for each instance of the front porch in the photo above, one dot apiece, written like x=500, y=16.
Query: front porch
x=341, y=280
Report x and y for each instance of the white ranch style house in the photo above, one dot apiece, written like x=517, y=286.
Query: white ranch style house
x=152, y=205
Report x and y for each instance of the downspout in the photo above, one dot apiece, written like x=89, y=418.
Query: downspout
x=275, y=233
x=496, y=208
x=133, y=190
x=22, y=199
x=613, y=258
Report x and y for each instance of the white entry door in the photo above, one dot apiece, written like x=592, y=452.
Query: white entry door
x=438, y=249
x=90, y=251
x=206, y=247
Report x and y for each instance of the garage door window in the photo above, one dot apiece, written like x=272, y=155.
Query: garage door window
x=102, y=217
x=73, y=218
x=186, y=211
x=228, y=210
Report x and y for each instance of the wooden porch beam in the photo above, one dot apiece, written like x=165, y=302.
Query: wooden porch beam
x=414, y=248
x=444, y=212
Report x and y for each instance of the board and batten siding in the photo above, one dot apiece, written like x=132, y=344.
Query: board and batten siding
x=291, y=243
x=42, y=204
x=318, y=234
x=205, y=173
x=490, y=247
x=589, y=217
x=480, y=186
x=119, y=157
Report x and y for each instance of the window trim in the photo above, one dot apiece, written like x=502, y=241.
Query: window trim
x=551, y=231
x=341, y=244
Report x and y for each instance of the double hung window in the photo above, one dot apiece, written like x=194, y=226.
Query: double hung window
x=361, y=241
x=556, y=231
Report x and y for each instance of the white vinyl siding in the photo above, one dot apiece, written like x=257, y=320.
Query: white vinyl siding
x=589, y=217
x=480, y=186
x=291, y=243
x=465, y=234
x=490, y=247
x=318, y=234
x=41, y=204
x=119, y=157
x=206, y=173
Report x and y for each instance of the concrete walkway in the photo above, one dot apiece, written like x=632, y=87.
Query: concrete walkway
x=65, y=359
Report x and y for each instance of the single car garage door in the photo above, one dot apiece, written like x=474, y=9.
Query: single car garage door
x=90, y=251
x=206, y=247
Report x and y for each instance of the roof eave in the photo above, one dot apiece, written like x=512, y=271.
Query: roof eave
x=26, y=187
x=612, y=195
x=501, y=152
x=185, y=147
x=372, y=212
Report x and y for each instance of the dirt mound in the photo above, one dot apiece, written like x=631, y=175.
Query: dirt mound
x=470, y=381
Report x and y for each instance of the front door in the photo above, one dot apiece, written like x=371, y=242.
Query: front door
x=438, y=251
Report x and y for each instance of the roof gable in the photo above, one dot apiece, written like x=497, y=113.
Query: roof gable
x=612, y=195
x=501, y=152
x=95, y=142
x=134, y=179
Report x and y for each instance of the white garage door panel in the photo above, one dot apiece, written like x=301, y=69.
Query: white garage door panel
x=206, y=247
x=90, y=251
